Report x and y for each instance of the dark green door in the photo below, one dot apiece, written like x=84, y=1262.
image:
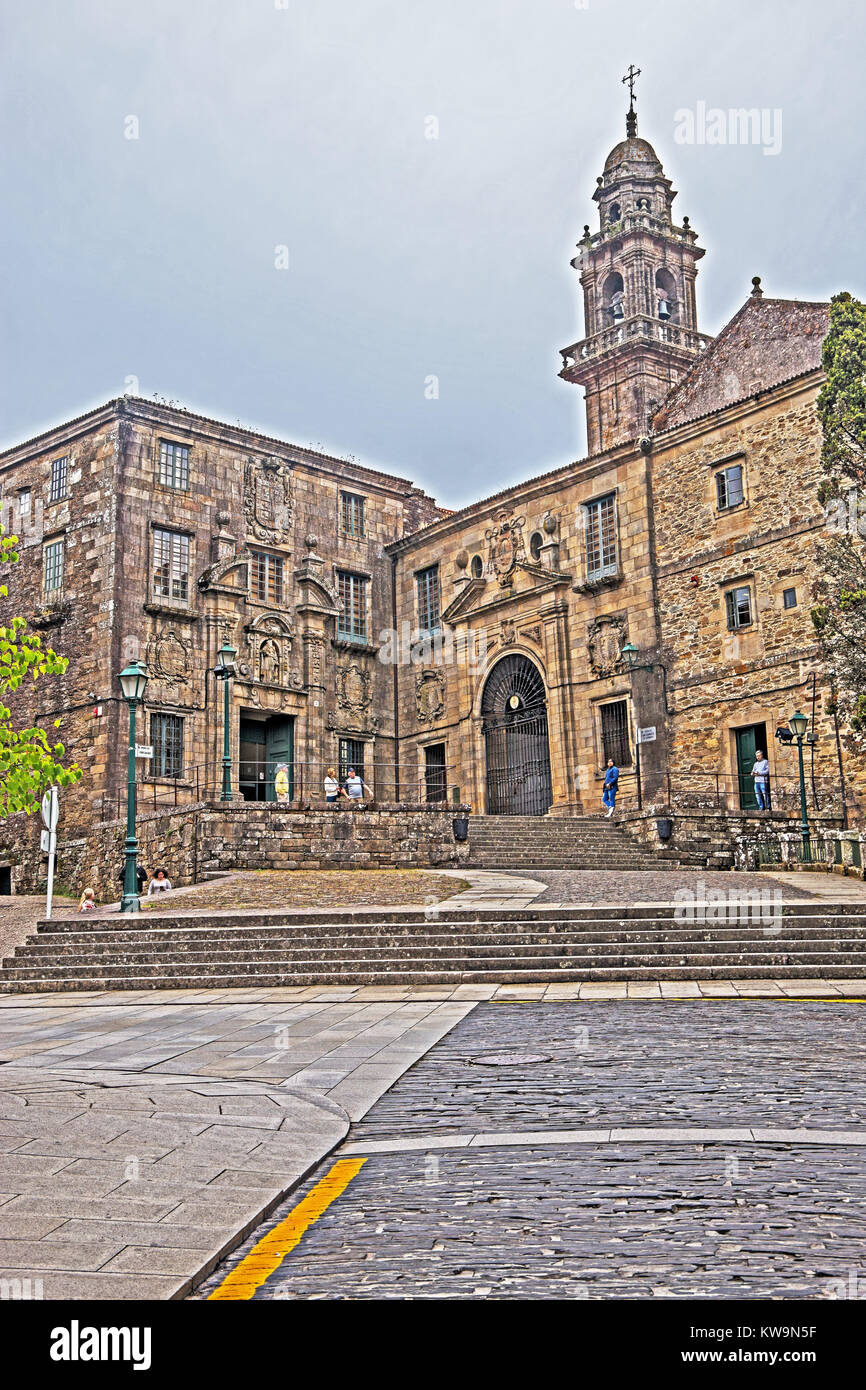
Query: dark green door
x=749, y=740
x=279, y=748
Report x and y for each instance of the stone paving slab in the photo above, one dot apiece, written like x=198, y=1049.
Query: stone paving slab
x=127, y=1173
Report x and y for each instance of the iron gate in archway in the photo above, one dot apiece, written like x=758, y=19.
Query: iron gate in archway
x=514, y=722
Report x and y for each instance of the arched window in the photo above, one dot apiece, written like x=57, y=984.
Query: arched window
x=536, y=541
x=477, y=567
x=611, y=299
x=667, y=300
x=614, y=213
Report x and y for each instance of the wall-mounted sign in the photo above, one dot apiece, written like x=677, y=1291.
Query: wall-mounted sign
x=144, y=750
x=646, y=735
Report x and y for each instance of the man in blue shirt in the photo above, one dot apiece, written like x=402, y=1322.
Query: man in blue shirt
x=761, y=774
x=611, y=782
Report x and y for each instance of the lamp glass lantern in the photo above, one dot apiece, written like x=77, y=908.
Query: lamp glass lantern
x=629, y=651
x=133, y=680
x=799, y=723
x=226, y=657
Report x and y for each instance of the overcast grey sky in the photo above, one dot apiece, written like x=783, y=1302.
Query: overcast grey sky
x=301, y=123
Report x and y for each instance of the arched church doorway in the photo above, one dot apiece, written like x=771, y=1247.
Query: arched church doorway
x=514, y=722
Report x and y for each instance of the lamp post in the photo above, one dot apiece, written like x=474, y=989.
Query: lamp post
x=798, y=724
x=132, y=682
x=629, y=651
x=224, y=672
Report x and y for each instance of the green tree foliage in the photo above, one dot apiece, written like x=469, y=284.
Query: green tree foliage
x=839, y=615
x=29, y=762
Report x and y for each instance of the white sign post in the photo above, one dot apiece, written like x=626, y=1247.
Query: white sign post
x=50, y=812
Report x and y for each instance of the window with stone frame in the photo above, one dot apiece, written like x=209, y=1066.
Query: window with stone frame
x=351, y=754
x=738, y=607
x=602, y=550
x=25, y=502
x=427, y=591
x=615, y=738
x=174, y=464
x=266, y=576
x=166, y=737
x=789, y=598
x=352, y=620
x=352, y=515
x=52, y=567
x=59, y=479
x=170, y=564
x=729, y=487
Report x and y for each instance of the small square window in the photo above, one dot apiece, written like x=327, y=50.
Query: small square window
x=52, y=567
x=59, y=476
x=789, y=598
x=173, y=464
x=352, y=515
x=24, y=503
x=352, y=620
x=267, y=577
x=729, y=487
x=738, y=604
x=166, y=737
x=170, y=564
x=427, y=586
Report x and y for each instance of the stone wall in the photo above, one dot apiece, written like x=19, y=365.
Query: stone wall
x=195, y=840
x=705, y=838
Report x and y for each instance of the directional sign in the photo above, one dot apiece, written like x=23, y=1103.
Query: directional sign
x=50, y=809
x=646, y=735
x=144, y=750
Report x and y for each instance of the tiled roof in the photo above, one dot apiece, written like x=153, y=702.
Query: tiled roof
x=767, y=342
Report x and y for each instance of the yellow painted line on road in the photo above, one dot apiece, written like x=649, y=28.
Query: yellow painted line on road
x=272, y=1249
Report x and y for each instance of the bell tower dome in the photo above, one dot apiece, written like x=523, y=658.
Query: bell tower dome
x=637, y=273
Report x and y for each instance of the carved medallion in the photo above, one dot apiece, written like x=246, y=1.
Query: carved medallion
x=354, y=691
x=605, y=639
x=267, y=498
x=505, y=546
x=168, y=659
x=429, y=696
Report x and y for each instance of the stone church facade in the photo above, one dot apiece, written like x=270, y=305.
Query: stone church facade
x=495, y=656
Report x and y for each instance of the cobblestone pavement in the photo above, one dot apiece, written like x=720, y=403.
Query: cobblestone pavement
x=711, y=1062
x=666, y=1218
x=654, y=885
x=328, y=888
x=19, y=915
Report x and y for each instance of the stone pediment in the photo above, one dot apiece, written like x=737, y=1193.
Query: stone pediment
x=216, y=576
x=481, y=595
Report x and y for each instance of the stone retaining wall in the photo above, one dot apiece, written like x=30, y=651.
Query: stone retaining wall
x=191, y=841
x=709, y=839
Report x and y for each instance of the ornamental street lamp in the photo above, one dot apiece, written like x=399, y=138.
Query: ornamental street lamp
x=132, y=682
x=798, y=724
x=629, y=651
x=224, y=672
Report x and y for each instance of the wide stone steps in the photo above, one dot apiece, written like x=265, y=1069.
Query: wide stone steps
x=570, y=842
x=411, y=946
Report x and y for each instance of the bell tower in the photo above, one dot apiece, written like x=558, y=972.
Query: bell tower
x=637, y=273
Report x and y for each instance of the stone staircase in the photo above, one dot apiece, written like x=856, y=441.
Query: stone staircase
x=553, y=842
x=414, y=946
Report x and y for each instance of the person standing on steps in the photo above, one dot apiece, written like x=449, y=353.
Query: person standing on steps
x=611, y=782
x=761, y=774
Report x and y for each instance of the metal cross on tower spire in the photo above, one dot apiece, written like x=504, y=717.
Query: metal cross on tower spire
x=631, y=117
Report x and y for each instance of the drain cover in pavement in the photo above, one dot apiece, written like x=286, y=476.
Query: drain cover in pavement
x=507, y=1059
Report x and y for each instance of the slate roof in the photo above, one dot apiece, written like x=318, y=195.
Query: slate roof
x=767, y=342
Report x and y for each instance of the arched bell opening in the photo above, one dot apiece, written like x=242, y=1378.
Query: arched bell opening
x=667, y=302
x=613, y=310
x=514, y=723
